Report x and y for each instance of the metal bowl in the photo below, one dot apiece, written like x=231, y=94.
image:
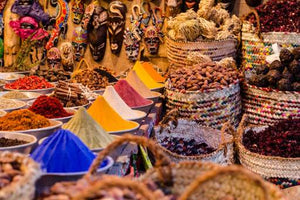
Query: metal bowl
x=66, y=119
x=145, y=108
x=41, y=91
x=155, y=96
x=2, y=113
x=49, y=179
x=22, y=105
x=31, y=95
x=23, y=148
x=100, y=92
x=7, y=76
x=159, y=89
x=42, y=132
x=121, y=132
x=139, y=119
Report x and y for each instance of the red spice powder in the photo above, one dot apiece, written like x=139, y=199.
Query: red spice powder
x=49, y=107
x=131, y=97
x=29, y=83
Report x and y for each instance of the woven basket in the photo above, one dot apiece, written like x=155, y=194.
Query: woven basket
x=187, y=129
x=265, y=106
x=177, y=51
x=24, y=188
x=256, y=45
x=266, y=166
x=212, y=108
x=228, y=183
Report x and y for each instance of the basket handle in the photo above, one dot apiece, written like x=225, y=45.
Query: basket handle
x=114, y=181
x=171, y=115
x=80, y=64
x=222, y=171
x=226, y=128
x=242, y=126
x=161, y=162
x=258, y=28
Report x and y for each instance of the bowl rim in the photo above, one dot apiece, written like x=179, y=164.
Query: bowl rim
x=34, y=90
x=69, y=110
x=127, y=130
x=16, y=108
x=18, y=146
x=21, y=91
x=53, y=124
x=109, y=165
x=137, y=118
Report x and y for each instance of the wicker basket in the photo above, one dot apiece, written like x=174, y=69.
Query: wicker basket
x=256, y=45
x=211, y=109
x=176, y=177
x=178, y=51
x=265, y=106
x=24, y=188
x=187, y=129
x=231, y=182
x=266, y=166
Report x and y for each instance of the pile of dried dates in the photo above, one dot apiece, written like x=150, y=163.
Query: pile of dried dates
x=202, y=77
x=95, y=79
x=69, y=94
x=186, y=147
x=282, y=139
x=283, y=75
x=53, y=75
x=10, y=171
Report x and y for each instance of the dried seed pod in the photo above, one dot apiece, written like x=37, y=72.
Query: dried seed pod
x=276, y=65
x=284, y=85
x=286, y=56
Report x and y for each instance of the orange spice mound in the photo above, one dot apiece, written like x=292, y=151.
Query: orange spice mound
x=22, y=120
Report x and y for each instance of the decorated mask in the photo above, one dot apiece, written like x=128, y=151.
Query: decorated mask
x=2, y=5
x=190, y=4
x=30, y=8
x=54, y=59
x=152, y=39
x=132, y=45
x=66, y=51
x=79, y=42
x=28, y=26
x=116, y=25
x=77, y=11
x=173, y=7
x=97, y=32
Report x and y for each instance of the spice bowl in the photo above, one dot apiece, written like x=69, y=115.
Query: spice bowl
x=121, y=132
x=2, y=113
x=155, y=96
x=31, y=96
x=145, y=108
x=141, y=117
x=41, y=91
x=49, y=179
x=66, y=119
x=42, y=132
x=10, y=77
x=22, y=148
x=21, y=104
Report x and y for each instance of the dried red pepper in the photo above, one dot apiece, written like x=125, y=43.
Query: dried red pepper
x=49, y=107
x=29, y=83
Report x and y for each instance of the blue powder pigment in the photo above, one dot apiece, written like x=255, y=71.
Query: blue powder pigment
x=64, y=152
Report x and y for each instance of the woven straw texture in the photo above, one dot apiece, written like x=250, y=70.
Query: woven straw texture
x=256, y=45
x=222, y=141
x=24, y=188
x=266, y=106
x=177, y=52
x=210, y=109
x=266, y=166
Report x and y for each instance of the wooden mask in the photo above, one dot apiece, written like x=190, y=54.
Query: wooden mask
x=97, y=33
x=77, y=11
x=116, y=25
x=79, y=42
x=132, y=45
x=54, y=59
x=67, y=56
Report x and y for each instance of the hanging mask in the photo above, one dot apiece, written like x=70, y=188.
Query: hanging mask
x=190, y=4
x=79, y=42
x=2, y=5
x=173, y=7
x=66, y=51
x=152, y=39
x=77, y=11
x=97, y=32
x=27, y=26
x=132, y=45
x=30, y=8
x=54, y=59
x=116, y=25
